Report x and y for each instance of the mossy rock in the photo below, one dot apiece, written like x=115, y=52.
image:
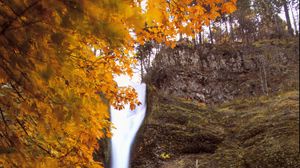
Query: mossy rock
x=258, y=132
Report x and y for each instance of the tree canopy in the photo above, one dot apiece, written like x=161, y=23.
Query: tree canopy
x=55, y=92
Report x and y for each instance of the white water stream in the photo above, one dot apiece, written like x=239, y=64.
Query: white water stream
x=126, y=123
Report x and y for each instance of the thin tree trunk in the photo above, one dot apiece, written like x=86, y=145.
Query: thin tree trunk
x=200, y=38
x=194, y=39
x=278, y=32
x=203, y=37
x=287, y=16
x=95, y=51
x=210, y=34
x=244, y=39
x=180, y=36
x=149, y=61
x=226, y=27
x=142, y=70
x=294, y=20
x=231, y=28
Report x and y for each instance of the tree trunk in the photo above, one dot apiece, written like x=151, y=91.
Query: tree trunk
x=210, y=34
x=142, y=70
x=180, y=36
x=226, y=27
x=278, y=32
x=200, y=38
x=95, y=51
x=287, y=16
x=294, y=20
x=244, y=36
x=149, y=60
x=194, y=39
x=231, y=28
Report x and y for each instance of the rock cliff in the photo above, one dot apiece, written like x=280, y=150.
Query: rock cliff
x=222, y=106
x=218, y=73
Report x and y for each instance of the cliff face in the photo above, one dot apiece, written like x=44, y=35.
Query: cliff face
x=214, y=74
x=222, y=106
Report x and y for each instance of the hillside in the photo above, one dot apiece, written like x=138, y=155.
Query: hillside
x=250, y=129
x=256, y=132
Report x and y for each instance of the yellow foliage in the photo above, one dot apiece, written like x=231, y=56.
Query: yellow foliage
x=228, y=7
x=165, y=18
x=55, y=92
x=165, y=155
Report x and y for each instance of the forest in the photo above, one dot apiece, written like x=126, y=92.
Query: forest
x=222, y=82
x=253, y=20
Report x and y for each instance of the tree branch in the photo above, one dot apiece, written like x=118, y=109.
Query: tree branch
x=36, y=143
x=6, y=127
x=17, y=91
x=24, y=25
x=7, y=24
x=3, y=118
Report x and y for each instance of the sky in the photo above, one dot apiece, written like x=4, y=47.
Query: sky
x=124, y=80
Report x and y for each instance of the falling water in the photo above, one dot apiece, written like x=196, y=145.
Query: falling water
x=126, y=123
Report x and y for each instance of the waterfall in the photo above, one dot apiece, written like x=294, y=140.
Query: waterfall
x=126, y=124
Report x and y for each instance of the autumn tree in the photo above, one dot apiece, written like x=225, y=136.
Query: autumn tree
x=54, y=91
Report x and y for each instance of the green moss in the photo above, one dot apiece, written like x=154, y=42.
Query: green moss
x=255, y=132
x=276, y=42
